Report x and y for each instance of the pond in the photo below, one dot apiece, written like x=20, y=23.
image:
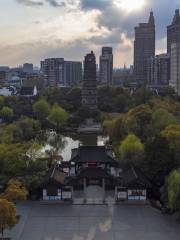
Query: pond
x=65, y=143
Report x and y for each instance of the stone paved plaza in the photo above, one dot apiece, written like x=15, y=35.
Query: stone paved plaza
x=93, y=222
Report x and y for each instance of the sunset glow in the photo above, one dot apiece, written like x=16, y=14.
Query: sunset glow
x=130, y=5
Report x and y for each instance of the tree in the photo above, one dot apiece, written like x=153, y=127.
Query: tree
x=41, y=109
x=131, y=150
x=28, y=127
x=1, y=102
x=115, y=128
x=174, y=190
x=58, y=116
x=53, y=153
x=161, y=118
x=22, y=161
x=159, y=160
x=121, y=103
x=7, y=114
x=138, y=121
x=10, y=133
x=8, y=217
x=15, y=191
x=74, y=98
x=34, y=152
x=12, y=160
x=172, y=134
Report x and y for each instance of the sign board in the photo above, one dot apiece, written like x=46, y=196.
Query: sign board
x=122, y=195
x=66, y=195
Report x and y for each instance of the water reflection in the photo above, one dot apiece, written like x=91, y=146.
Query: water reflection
x=62, y=145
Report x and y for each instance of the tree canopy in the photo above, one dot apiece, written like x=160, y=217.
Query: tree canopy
x=161, y=118
x=174, y=190
x=131, y=150
x=7, y=114
x=8, y=217
x=58, y=116
x=41, y=109
x=15, y=191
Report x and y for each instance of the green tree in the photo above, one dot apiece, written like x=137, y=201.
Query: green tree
x=8, y=217
x=131, y=150
x=159, y=160
x=10, y=133
x=138, y=121
x=172, y=134
x=161, y=118
x=7, y=114
x=28, y=128
x=58, y=116
x=41, y=109
x=121, y=103
x=115, y=128
x=12, y=160
x=24, y=162
x=174, y=190
x=53, y=153
x=74, y=98
x=1, y=102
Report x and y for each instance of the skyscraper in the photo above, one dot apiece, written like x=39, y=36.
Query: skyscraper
x=28, y=68
x=106, y=66
x=58, y=72
x=173, y=31
x=144, y=48
x=89, y=91
x=159, y=70
x=175, y=67
x=72, y=73
x=52, y=68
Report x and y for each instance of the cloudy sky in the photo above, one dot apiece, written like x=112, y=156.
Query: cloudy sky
x=32, y=30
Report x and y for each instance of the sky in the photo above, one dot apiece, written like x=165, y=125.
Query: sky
x=32, y=30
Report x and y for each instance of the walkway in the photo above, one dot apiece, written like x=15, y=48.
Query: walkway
x=93, y=222
x=94, y=196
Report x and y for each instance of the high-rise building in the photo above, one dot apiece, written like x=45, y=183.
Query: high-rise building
x=144, y=48
x=106, y=66
x=61, y=73
x=159, y=70
x=28, y=68
x=72, y=73
x=89, y=91
x=53, y=70
x=175, y=67
x=173, y=31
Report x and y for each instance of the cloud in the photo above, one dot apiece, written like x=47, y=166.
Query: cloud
x=55, y=3
x=95, y=4
x=34, y=3
x=81, y=25
x=31, y=2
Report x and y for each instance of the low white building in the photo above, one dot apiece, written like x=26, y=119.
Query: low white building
x=8, y=91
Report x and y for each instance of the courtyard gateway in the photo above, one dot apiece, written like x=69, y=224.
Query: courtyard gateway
x=94, y=166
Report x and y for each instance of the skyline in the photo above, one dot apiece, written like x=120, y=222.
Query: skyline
x=35, y=30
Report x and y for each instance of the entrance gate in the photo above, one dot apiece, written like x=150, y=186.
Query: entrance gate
x=94, y=194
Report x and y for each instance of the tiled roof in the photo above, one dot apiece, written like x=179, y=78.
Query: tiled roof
x=92, y=154
x=56, y=176
x=26, y=91
x=134, y=176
